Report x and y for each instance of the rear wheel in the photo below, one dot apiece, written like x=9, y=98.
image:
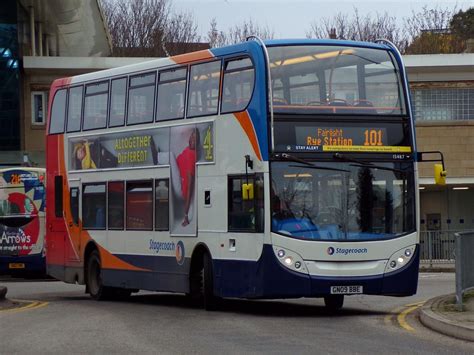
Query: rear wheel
x=334, y=302
x=94, y=278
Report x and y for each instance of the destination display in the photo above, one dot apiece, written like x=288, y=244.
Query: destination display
x=341, y=137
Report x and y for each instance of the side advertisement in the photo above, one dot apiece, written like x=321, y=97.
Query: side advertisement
x=179, y=147
x=21, y=201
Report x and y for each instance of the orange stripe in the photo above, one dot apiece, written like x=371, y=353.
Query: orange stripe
x=110, y=261
x=246, y=123
x=192, y=57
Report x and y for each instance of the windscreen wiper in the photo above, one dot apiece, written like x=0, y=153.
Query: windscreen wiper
x=289, y=157
x=286, y=156
x=363, y=164
x=340, y=156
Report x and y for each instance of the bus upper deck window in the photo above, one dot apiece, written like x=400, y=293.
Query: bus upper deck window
x=203, y=94
x=239, y=77
x=117, y=102
x=95, y=105
x=171, y=94
x=74, y=109
x=58, y=112
x=141, y=98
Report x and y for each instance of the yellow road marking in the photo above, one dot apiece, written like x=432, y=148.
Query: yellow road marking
x=401, y=318
x=31, y=305
x=401, y=314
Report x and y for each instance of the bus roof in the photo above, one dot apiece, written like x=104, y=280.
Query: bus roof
x=208, y=54
x=324, y=42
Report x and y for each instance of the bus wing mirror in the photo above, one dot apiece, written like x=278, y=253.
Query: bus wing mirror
x=439, y=174
x=247, y=192
x=439, y=169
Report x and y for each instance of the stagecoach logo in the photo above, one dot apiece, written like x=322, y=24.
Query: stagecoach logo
x=180, y=253
x=346, y=251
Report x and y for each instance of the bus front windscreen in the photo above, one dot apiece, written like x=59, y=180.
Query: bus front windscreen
x=335, y=80
x=342, y=200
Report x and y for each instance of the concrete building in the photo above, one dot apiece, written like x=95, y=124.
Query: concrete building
x=442, y=87
x=32, y=32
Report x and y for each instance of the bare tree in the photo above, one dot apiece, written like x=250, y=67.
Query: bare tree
x=429, y=31
x=237, y=33
x=359, y=28
x=181, y=34
x=148, y=28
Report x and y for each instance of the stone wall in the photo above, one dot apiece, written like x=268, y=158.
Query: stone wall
x=454, y=139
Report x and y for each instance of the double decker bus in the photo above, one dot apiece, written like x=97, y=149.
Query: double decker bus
x=277, y=169
x=22, y=221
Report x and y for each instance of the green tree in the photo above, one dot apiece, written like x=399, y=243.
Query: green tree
x=462, y=24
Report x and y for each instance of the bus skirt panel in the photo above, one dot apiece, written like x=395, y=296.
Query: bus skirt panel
x=267, y=278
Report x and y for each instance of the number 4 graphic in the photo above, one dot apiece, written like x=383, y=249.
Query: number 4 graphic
x=208, y=146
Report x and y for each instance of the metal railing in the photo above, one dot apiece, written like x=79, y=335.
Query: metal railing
x=437, y=246
x=464, y=264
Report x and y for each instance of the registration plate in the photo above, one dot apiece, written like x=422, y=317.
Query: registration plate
x=346, y=290
x=16, y=266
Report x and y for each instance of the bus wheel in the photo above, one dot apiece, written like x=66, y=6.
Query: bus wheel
x=334, y=302
x=94, y=278
x=211, y=302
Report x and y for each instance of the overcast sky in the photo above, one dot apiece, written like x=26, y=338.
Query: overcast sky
x=291, y=19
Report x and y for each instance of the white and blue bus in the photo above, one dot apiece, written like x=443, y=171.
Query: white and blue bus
x=277, y=169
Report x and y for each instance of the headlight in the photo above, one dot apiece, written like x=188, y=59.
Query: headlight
x=290, y=260
x=400, y=258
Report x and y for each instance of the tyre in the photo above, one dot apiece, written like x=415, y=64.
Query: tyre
x=94, y=278
x=334, y=302
x=211, y=302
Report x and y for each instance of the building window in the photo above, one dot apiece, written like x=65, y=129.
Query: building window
x=245, y=215
x=443, y=104
x=38, y=108
x=93, y=206
x=162, y=211
x=140, y=205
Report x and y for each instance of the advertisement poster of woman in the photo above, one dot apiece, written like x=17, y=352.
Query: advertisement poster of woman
x=185, y=147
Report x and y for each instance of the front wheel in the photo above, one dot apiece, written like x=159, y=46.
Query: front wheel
x=211, y=302
x=334, y=302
